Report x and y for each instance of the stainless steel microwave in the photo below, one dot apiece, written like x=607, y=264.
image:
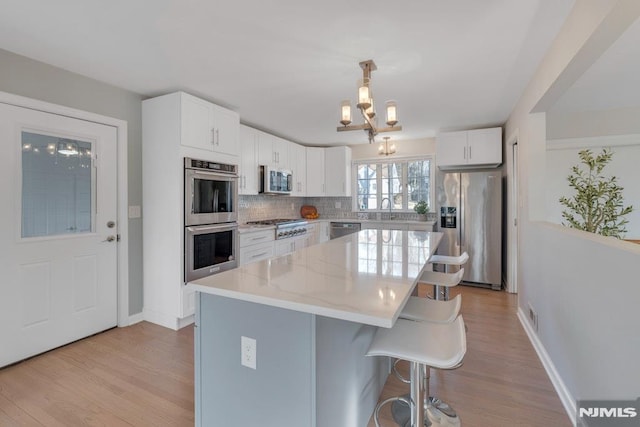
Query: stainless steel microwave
x=275, y=181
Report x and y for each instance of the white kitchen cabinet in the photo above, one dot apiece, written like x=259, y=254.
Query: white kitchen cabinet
x=469, y=149
x=398, y=225
x=174, y=126
x=315, y=172
x=273, y=151
x=324, y=232
x=383, y=225
x=337, y=175
x=248, y=181
x=292, y=244
x=422, y=226
x=207, y=126
x=312, y=233
x=298, y=166
x=256, y=246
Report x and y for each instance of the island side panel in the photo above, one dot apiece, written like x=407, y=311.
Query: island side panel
x=280, y=391
x=348, y=383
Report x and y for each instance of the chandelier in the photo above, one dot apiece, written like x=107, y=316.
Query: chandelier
x=385, y=149
x=366, y=106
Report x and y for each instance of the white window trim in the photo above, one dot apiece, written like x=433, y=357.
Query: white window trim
x=378, y=160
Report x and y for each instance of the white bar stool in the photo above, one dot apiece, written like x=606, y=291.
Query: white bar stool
x=442, y=281
x=427, y=310
x=447, y=260
x=424, y=345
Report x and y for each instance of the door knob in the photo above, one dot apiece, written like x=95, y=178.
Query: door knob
x=110, y=239
x=111, y=224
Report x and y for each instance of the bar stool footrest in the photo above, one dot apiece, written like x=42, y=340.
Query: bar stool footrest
x=435, y=416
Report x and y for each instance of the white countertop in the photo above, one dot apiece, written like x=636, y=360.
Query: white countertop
x=364, y=277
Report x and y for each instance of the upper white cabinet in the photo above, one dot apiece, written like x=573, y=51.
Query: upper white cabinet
x=315, y=172
x=273, y=151
x=337, y=175
x=467, y=149
x=207, y=126
x=248, y=170
x=175, y=126
x=298, y=166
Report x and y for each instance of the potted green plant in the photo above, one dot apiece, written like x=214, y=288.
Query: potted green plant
x=421, y=208
x=598, y=205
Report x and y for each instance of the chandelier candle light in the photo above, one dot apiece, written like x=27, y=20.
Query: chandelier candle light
x=366, y=106
x=385, y=149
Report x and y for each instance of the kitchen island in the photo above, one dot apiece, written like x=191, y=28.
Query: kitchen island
x=312, y=315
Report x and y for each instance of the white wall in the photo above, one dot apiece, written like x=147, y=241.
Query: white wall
x=582, y=285
x=404, y=148
x=26, y=77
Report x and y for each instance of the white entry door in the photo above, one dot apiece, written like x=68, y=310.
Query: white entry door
x=58, y=234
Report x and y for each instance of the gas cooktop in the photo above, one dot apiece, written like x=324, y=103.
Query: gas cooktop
x=285, y=227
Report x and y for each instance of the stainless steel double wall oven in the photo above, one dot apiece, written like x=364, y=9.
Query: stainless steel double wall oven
x=210, y=218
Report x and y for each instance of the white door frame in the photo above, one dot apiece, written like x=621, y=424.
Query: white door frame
x=122, y=220
x=513, y=214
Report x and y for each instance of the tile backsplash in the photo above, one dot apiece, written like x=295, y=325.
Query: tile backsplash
x=256, y=208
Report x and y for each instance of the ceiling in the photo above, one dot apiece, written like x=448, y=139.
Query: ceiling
x=612, y=82
x=285, y=65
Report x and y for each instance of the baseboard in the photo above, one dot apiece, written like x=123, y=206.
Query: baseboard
x=567, y=400
x=136, y=318
x=166, y=320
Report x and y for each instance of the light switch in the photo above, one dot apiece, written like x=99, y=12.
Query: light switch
x=135, y=211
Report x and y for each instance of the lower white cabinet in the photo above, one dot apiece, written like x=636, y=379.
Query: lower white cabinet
x=256, y=246
x=287, y=246
x=323, y=231
x=398, y=225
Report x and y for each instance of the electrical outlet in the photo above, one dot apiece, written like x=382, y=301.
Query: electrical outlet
x=338, y=205
x=248, y=352
x=533, y=317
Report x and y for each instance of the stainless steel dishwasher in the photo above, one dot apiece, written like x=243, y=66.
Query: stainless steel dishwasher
x=339, y=229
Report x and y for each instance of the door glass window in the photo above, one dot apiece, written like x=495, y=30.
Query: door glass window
x=57, y=186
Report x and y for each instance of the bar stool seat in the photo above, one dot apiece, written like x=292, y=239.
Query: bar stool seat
x=450, y=260
x=428, y=310
x=442, y=281
x=423, y=345
x=442, y=292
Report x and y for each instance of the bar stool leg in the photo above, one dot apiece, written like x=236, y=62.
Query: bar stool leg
x=417, y=394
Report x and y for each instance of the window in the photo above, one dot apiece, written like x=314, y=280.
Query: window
x=394, y=186
x=58, y=186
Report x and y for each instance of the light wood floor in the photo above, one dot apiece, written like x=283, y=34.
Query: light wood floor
x=143, y=376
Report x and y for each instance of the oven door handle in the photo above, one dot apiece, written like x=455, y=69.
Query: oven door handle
x=201, y=229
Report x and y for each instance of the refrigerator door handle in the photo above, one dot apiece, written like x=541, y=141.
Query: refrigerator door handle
x=461, y=229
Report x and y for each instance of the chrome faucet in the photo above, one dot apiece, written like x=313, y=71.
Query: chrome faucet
x=388, y=199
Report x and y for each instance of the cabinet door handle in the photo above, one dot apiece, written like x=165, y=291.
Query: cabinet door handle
x=470, y=153
x=261, y=254
x=218, y=137
x=213, y=136
x=465, y=153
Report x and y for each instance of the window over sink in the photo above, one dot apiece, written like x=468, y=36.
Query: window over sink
x=393, y=185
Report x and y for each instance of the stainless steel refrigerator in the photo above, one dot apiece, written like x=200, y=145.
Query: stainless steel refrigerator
x=470, y=216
